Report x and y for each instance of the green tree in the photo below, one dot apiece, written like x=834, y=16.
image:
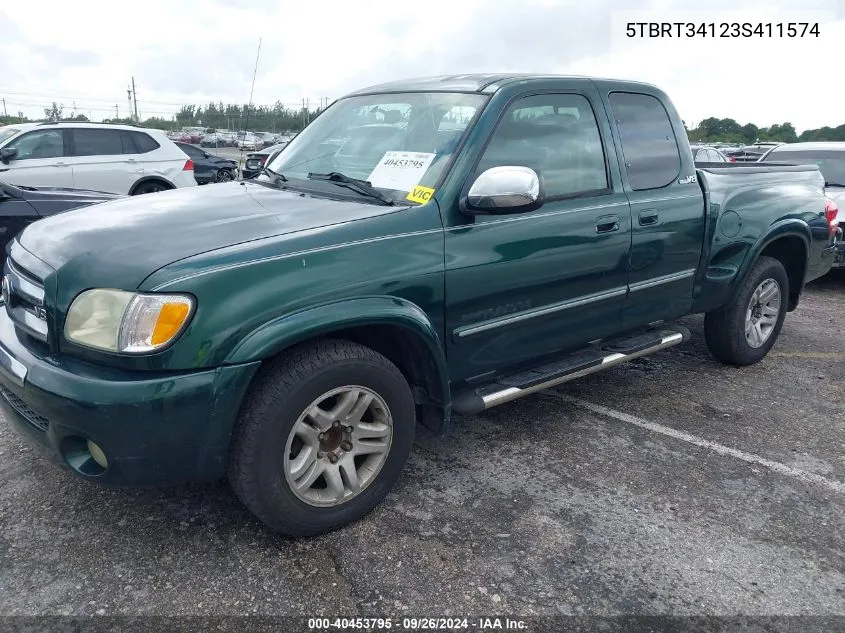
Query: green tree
x=54, y=112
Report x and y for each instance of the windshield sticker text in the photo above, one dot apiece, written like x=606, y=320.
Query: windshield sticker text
x=400, y=171
x=420, y=194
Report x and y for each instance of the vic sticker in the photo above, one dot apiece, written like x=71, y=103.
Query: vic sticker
x=420, y=194
x=400, y=170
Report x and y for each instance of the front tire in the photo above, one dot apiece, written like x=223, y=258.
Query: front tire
x=322, y=437
x=224, y=175
x=744, y=332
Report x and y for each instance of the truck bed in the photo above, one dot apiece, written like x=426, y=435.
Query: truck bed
x=753, y=168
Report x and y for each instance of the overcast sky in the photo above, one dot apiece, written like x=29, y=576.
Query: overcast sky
x=86, y=51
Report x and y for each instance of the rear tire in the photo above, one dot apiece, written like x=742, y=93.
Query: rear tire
x=322, y=437
x=152, y=186
x=744, y=332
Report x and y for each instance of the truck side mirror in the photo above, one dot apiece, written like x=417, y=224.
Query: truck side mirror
x=505, y=189
x=7, y=154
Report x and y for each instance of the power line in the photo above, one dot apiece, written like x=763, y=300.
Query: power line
x=90, y=99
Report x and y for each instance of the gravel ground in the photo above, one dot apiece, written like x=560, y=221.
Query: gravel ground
x=673, y=485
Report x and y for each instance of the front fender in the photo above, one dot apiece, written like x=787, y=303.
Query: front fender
x=282, y=332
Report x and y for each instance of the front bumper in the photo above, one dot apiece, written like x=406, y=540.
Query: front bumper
x=155, y=428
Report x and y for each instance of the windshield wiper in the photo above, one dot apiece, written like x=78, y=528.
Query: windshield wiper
x=833, y=184
x=361, y=186
x=277, y=178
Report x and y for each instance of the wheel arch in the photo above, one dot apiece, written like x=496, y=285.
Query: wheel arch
x=145, y=179
x=396, y=328
x=789, y=243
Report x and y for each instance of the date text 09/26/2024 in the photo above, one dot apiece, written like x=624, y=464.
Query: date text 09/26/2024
x=722, y=29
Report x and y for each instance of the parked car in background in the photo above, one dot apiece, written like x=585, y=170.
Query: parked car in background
x=291, y=331
x=215, y=139
x=266, y=138
x=249, y=142
x=121, y=159
x=255, y=161
x=209, y=168
x=830, y=158
x=709, y=154
x=21, y=206
x=751, y=153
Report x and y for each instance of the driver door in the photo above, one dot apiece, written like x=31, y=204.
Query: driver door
x=42, y=160
x=526, y=285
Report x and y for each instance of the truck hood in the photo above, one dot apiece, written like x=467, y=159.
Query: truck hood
x=119, y=243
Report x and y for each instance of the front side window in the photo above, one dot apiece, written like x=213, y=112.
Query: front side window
x=652, y=158
x=39, y=144
x=93, y=142
x=557, y=136
x=393, y=141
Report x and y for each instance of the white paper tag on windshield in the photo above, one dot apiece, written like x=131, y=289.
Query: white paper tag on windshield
x=400, y=170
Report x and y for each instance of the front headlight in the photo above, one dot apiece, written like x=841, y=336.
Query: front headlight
x=120, y=321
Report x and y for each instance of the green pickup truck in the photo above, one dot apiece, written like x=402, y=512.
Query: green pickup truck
x=421, y=249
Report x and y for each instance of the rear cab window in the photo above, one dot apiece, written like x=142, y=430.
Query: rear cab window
x=649, y=147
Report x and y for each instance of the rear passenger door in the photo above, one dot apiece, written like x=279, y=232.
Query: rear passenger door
x=667, y=205
x=523, y=286
x=104, y=160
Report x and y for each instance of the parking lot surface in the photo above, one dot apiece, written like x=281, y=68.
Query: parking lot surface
x=672, y=484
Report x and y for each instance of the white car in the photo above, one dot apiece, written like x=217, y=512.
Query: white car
x=121, y=159
x=249, y=141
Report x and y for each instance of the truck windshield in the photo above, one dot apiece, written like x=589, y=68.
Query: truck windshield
x=395, y=142
x=831, y=162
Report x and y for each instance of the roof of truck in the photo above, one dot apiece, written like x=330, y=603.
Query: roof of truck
x=466, y=83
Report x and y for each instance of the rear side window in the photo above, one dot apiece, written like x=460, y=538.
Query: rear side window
x=649, y=147
x=143, y=142
x=93, y=142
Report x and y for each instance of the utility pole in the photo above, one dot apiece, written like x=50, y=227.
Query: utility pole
x=129, y=99
x=4, y=107
x=116, y=112
x=135, y=99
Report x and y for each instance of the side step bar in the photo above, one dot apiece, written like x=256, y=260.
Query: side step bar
x=589, y=361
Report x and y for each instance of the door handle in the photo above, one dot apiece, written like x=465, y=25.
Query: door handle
x=60, y=165
x=647, y=217
x=607, y=224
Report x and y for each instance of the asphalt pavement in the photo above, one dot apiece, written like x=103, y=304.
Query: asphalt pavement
x=671, y=485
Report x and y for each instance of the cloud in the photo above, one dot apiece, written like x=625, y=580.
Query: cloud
x=198, y=52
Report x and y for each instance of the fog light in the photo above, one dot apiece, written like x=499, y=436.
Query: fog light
x=98, y=455
x=84, y=456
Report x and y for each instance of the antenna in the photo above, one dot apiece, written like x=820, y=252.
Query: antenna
x=251, y=90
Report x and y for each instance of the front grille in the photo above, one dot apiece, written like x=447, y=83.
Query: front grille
x=23, y=294
x=38, y=421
